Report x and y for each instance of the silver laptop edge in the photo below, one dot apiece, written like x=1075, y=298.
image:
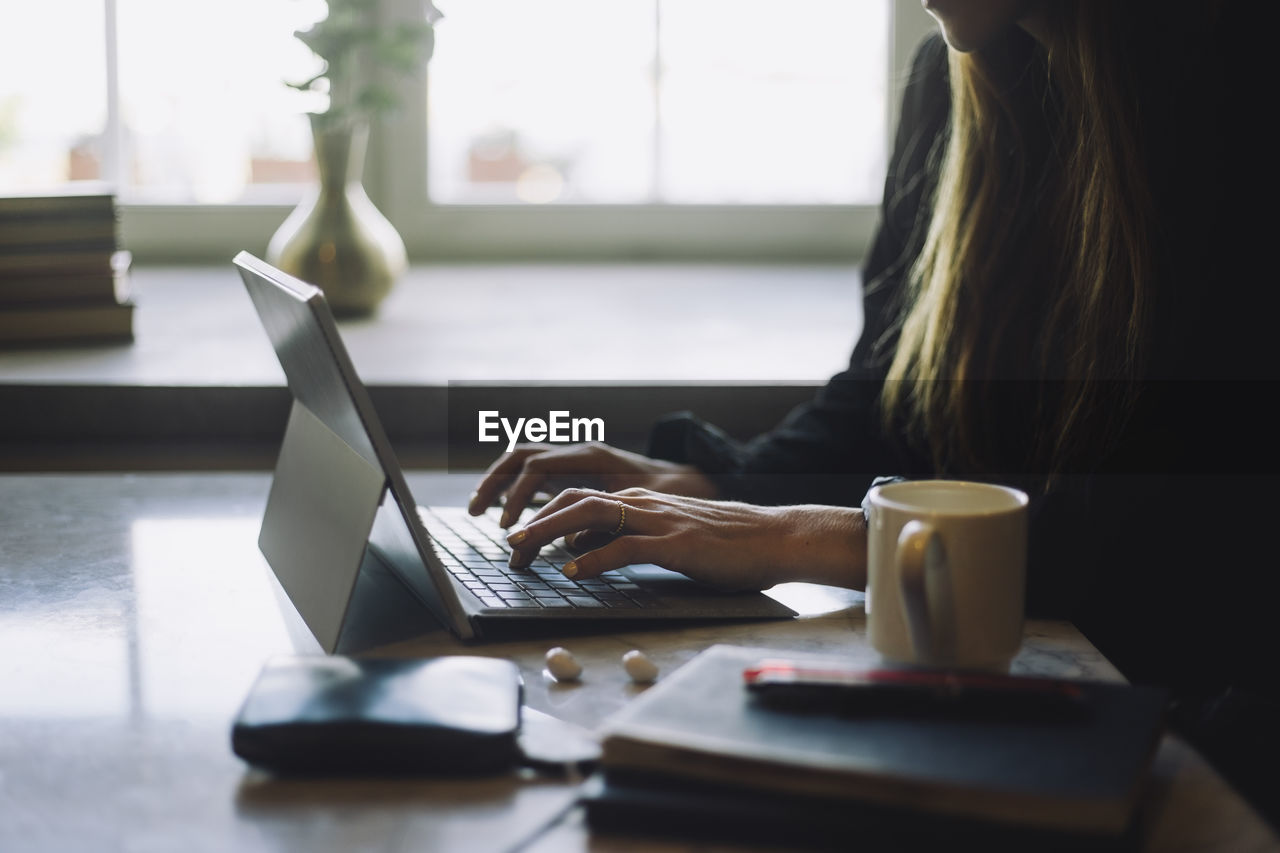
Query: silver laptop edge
x=313, y=463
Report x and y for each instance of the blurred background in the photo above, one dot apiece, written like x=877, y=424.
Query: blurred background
x=629, y=105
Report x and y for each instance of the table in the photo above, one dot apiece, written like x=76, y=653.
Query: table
x=135, y=611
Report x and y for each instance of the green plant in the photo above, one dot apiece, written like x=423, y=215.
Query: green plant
x=362, y=56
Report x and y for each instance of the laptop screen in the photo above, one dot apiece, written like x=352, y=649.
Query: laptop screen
x=338, y=491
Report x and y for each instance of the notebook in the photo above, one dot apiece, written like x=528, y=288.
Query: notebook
x=339, y=502
x=698, y=745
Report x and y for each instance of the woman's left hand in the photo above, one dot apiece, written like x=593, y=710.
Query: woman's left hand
x=723, y=543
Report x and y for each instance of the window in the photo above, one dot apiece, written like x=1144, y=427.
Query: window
x=53, y=102
x=566, y=128
x=204, y=116
x=170, y=102
x=685, y=101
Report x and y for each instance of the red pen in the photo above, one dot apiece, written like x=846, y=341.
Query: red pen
x=798, y=686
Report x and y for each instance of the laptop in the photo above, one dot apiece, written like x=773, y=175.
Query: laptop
x=339, y=501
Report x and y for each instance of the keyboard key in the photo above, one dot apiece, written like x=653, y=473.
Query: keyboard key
x=474, y=550
x=532, y=584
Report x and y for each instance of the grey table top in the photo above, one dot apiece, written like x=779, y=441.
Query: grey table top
x=200, y=386
x=135, y=611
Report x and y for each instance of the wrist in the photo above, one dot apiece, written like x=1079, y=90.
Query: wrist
x=823, y=544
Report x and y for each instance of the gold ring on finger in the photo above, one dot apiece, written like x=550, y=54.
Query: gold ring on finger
x=622, y=518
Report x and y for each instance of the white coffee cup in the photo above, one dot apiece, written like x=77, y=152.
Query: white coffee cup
x=946, y=573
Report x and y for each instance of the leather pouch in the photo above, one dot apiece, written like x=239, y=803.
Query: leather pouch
x=453, y=715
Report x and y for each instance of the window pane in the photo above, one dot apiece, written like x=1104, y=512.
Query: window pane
x=563, y=101
x=53, y=96
x=541, y=102
x=773, y=103
x=206, y=114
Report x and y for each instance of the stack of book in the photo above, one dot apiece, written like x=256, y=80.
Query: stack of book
x=700, y=756
x=63, y=277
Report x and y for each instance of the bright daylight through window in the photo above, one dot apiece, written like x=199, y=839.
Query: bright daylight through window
x=178, y=103
x=571, y=101
x=703, y=101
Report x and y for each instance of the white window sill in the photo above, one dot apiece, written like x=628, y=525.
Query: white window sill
x=592, y=323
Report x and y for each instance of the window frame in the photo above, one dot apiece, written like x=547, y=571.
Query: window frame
x=623, y=232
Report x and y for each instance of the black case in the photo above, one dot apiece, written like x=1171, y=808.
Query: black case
x=454, y=715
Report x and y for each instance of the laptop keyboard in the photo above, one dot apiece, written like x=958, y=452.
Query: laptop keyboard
x=474, y=550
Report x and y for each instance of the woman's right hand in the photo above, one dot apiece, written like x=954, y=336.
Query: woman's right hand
x=531, y=468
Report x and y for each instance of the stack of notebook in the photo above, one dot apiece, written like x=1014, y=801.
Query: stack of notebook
x=699, y=755
x=63, y=275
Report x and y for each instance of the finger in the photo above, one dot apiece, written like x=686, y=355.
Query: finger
x=567, y=464
x=503, y=470
x=586, y=540
x=598, y=512
x=527, y=483
x=520, y=558
x=523, y=555
x=564, y=498
x=623, y=551
x=575, y=543
x=635, y=492
x=571, y=495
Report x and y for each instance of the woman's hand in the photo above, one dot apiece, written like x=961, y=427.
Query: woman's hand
x=727, y=544
x=533, y=468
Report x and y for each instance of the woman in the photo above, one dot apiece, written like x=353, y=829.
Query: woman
x=1060, y=284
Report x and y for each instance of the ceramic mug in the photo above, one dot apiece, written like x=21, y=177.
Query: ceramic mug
x=946, y=573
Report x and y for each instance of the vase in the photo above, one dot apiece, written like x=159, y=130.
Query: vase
x=336, y=238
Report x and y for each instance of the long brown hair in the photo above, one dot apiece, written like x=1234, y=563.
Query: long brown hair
x=1063, y=244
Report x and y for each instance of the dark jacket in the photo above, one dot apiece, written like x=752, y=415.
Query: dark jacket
x=1159, y=547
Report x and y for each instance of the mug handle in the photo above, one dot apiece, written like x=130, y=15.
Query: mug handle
x=923, y=569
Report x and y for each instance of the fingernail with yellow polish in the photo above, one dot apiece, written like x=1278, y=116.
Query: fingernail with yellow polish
x=569, y=569
x=517, y=537
x=506, y=519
